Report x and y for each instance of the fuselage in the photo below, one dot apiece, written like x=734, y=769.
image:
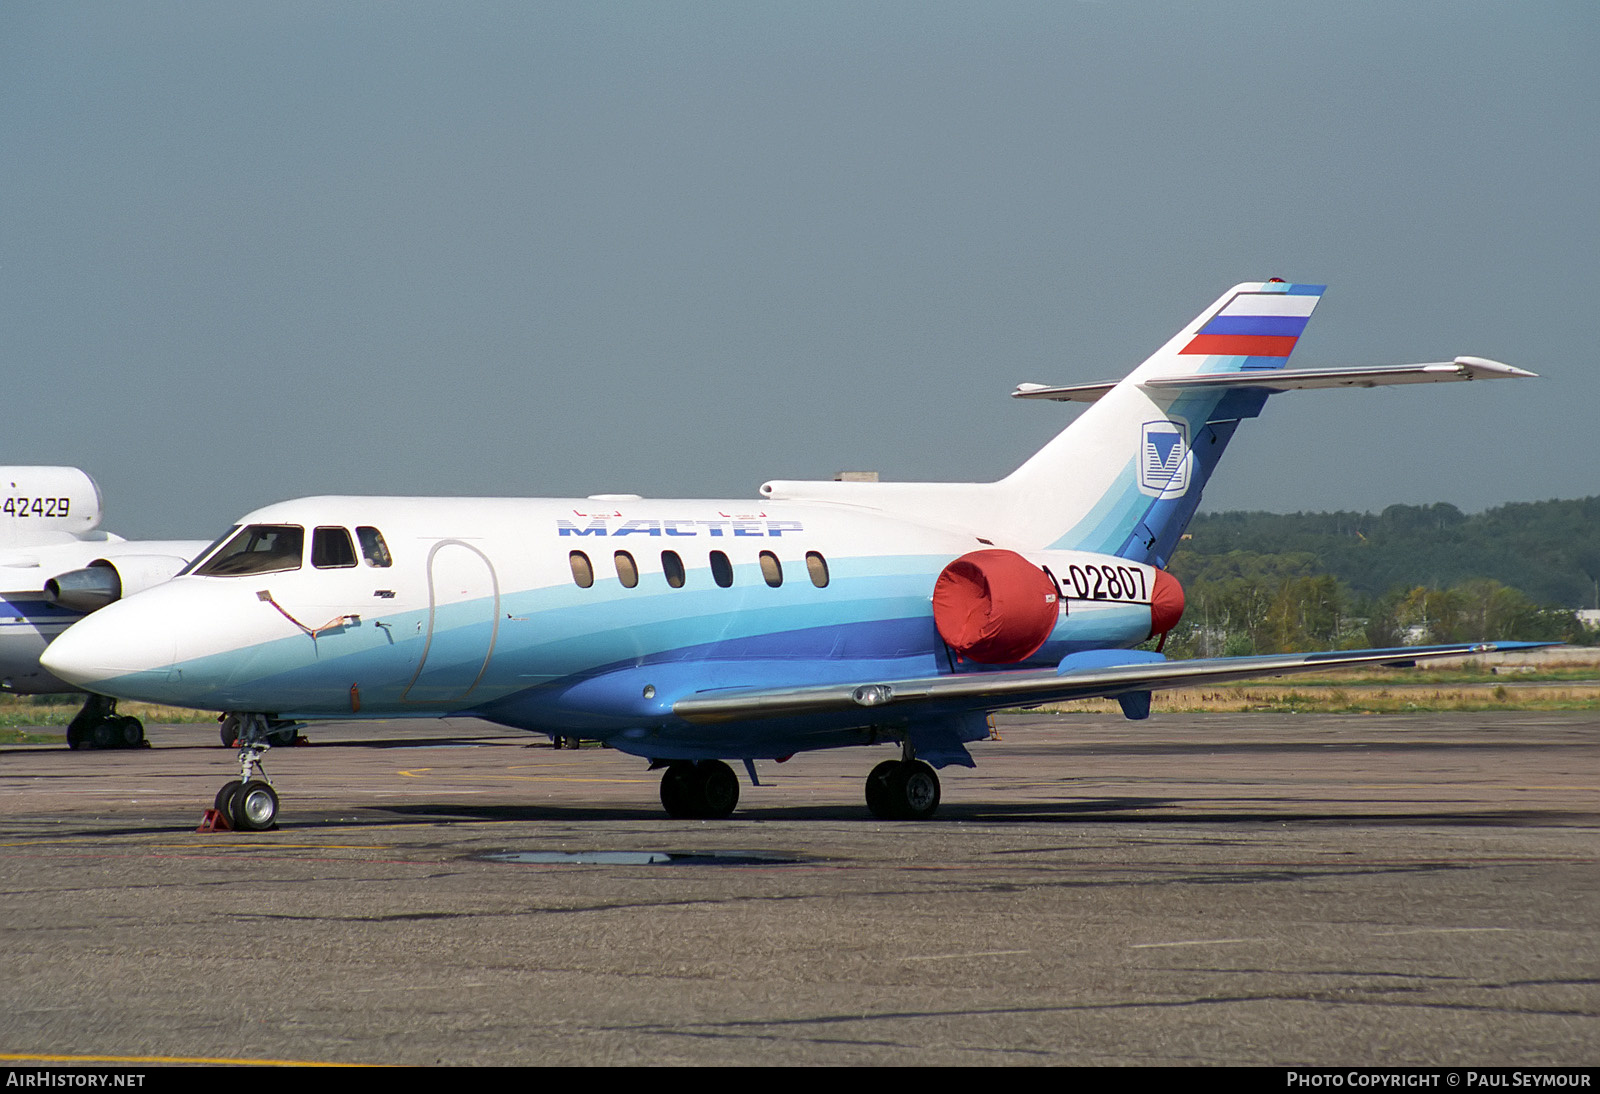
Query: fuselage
x=586, y=617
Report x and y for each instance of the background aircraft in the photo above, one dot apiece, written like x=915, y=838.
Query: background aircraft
x=689, y=632
x=55, y=567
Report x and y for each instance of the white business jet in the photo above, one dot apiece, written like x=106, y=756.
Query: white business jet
x=820, y=615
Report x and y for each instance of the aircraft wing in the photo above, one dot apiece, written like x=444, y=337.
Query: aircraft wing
x=999, y=690
x=1305, y=379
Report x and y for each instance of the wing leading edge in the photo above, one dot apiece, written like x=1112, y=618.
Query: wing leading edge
x=989, y=691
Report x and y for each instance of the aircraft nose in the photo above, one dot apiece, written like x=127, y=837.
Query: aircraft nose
x=112, y=643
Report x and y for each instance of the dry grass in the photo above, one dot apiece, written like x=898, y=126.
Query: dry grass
x=57, y=710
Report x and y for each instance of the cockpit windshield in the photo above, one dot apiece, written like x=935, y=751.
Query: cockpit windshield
x=258, y=549
x=218, y=542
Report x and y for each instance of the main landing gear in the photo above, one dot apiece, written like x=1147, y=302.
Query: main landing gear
x=903, y=789
x=699, y=790
x=248, y=803
x=98, y=725
x=281, y=734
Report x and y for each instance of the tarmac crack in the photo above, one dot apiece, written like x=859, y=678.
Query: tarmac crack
x=1328, y=998
x=851, y=1042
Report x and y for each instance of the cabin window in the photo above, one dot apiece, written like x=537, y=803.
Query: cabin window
x=817, y=567
x=373, y=548
x=331, y=549
x=672, y=567
x=721, y=569
x=627, y=569
x=771, y=569
x=582, y=569
x=258, y=549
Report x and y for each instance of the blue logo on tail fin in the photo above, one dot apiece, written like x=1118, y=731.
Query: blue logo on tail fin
x=1164, y=458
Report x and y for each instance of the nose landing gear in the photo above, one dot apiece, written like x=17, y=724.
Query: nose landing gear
x=249, y=803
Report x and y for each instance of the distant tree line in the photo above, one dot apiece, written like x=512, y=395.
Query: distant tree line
x=1268, y=583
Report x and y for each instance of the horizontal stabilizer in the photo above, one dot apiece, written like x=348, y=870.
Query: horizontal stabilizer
x=999, y=690
x=1462, y=368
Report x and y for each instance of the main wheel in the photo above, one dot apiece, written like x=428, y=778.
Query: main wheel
x=230, y=730
x=76, y=737
x=708, y=790
x=255, y=806
x=106, y=733
x=131, y=731
x=878, y=801
x=719, y=789
x=678, y=790
x=914, y=791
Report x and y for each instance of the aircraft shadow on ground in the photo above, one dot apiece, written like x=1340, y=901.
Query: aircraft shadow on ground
x=1131, y=810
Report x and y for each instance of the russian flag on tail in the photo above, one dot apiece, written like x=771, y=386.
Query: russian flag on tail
x=1258, y=324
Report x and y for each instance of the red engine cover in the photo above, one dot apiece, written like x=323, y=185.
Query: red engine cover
x=1166, y=603
x=994, y=607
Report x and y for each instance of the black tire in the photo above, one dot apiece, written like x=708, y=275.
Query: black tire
x=105, y=734
x=914, y=791
x=878, y=793
x=255, y=807
x=224, y=800
x=679, y=790
x=283, y=738
x=76, y=737
x=719, y=789
x=131, y=731
x=230, y=731
x=707, y=790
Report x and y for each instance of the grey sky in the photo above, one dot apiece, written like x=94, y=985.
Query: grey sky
x=257, y=251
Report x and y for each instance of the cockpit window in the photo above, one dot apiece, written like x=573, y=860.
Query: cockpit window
x=258, y=549
x=373, y=549
x=331, y=549
x=218, y=542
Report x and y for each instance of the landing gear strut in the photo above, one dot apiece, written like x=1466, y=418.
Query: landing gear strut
x=98, y=725
x=249, y=802
x=703, y=790
x=905, y=789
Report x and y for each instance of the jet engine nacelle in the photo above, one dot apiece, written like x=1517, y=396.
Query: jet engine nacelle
x=995, y=607
x=40, y=505
x=107, y=579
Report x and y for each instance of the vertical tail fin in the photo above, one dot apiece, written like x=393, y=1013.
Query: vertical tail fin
x=1126, y=477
